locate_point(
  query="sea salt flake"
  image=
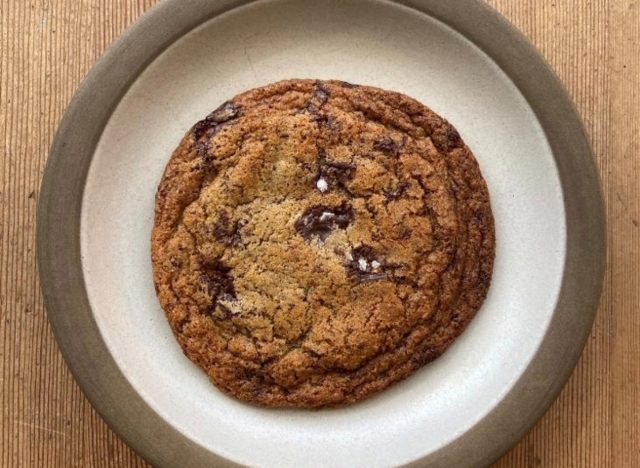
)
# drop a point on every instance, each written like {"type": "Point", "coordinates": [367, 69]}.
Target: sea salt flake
{"type": "Point", "coordinates": [375, 264]}
{"type": "Point", "coordinates": [322, 185]}
{"type": "Point", "coordinates": [362, 264]}
{"type": "Point", "coordinates": [326, 215]}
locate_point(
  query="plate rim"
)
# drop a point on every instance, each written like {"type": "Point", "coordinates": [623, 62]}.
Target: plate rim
{"type": "Point", "coordinates": [60, 263]}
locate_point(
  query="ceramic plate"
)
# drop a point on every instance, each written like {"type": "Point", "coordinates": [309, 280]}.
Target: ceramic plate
{"type": "Point", "coordinates": [182, 60]}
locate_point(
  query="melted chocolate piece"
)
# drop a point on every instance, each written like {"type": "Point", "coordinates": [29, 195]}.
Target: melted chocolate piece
{"type": "Point", "coordinates": [338, 173]}
{"type": "Point", "coordinates": [453, 138]}
{"type": "Point", "coordinates": [206, 156]}
{"type": "Point", "coordinates": [236, 238]}
{"type": "Point", "coordinates": [214, 121]}
{"type": "Point", "coordinates": [321, 93]}
{"type": "Point", "coordinates": [320, 220]}
{"type": "Point", "coordinates": [227, 111]}
{"type": "Point", "coordinates": [365, 265]}
{"type": "Point", "coordinates": [319, 97]}
{"type": "Point", "coordinates": [228, 232]}
{"type": "Point", "coordinates": [217, 281]}
{"type": "Point", "coordinates": [387, 145]}
{"type": "Point", "coordinates": [335, 173]}
{"type": "Point", "coordinates": [327, 121]}
{"type": "Point", "coordinates": [396, 192]}
{"type": "Point", "coordinates": [446, 139]}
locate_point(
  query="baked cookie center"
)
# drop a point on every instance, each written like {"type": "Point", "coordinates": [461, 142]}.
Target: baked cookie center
{"type": "Point", "coordinates": [319, 250]}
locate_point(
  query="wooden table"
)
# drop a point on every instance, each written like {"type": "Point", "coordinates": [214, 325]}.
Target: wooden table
{"type": "Point", "coordinates": [47, 46]}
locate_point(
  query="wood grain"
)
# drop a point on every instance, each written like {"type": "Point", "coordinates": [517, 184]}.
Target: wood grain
{"type": "Point", "coordinates": [47, 46]}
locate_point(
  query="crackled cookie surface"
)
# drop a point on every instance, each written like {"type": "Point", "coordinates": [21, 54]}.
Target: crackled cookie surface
{"type": "Point", "coordinates": [315, 242]}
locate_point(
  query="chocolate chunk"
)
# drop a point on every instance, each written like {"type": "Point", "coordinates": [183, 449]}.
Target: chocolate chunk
{"type": "Point", "coordinates": [327, 121]}
{"type": "Point", "coordinates": [484, 277]}
{"type": "Point", "coordinates": [321, 93]}
{"type": "Point", "coordinates": [319, 98]}
{"type": "Point", "coordinates": [453, 138]}
{"type": "Point", "coordinates": [364, 265]}
{"type": "Point", "coordinates": [395, 193]}
{"type": "Point", "coordinates": [226, 231]}
{"type": "Point", "coordinates": [217, 281]}
{"type": "Point", "coordinates": [364, 251]}
{"type": "Point", "coordinates": [338, 173]}
{"type": "Point", "coordinates": [387, 145]}
{"type": "Point", "coordinates": [221, 228]}
{"type": "Point", "coordinates": [200, 128]}
{"type": "Point", "coordinates": [446, 138]}
{"type": "Point", "coordinates": [320, 220]}
{"type": "Point", "coordinates": [202, 148]}
{"type": "Point", "coordinates": [227, 111]}
{"type": "Point", "coordinates": [206, 157]}
{"type": "Point", "coordinates": [235, 238]}
{"type": "Point", "coordinates": [335, 173]}
{"type": "Point", "coordinates": [404, 233]}
{"type": "Point", "coordinates": [214, 121]}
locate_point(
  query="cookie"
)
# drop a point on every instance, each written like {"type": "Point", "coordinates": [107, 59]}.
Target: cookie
{"type": "Point", "coordinates": [316, 241]}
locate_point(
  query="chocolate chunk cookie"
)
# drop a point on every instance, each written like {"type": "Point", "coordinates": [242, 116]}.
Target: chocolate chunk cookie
{"type": "Point", "coordinates": [317, 241]}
